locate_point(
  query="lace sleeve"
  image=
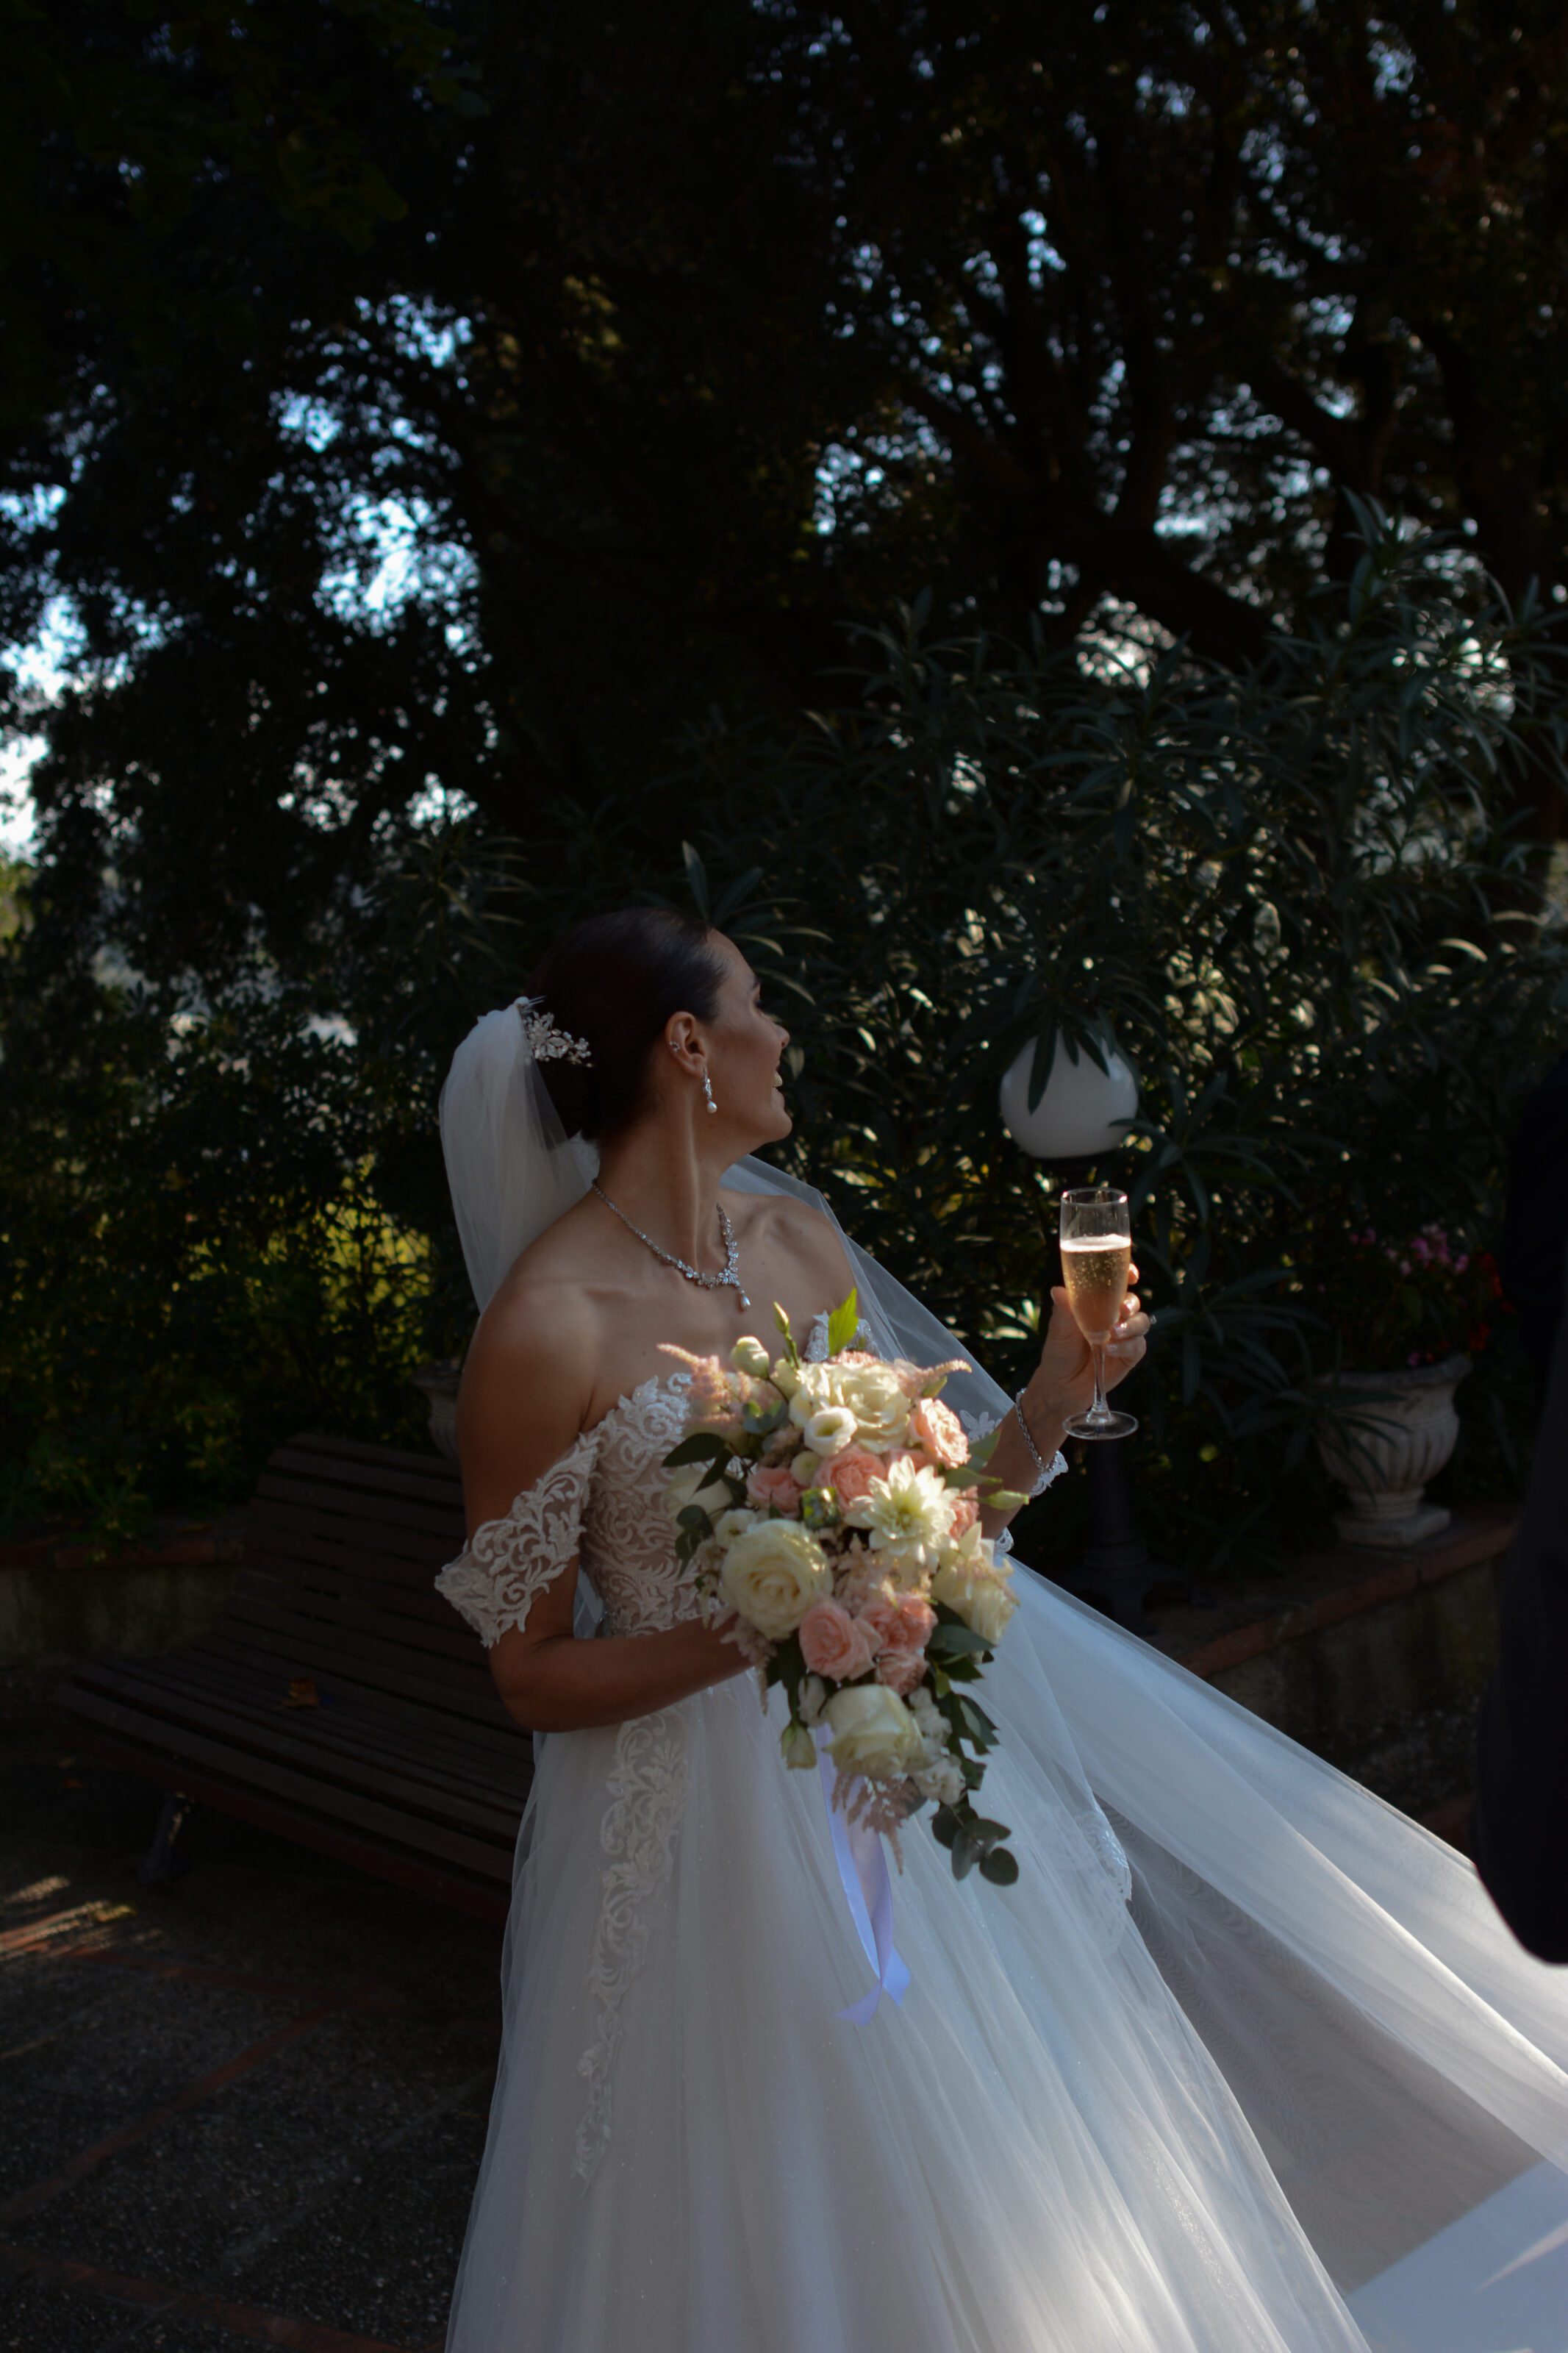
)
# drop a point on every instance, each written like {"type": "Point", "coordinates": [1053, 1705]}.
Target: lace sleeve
{"type": "Point", "coordinates": [493, 1580]}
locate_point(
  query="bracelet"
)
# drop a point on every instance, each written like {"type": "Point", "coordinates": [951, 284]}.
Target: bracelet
{"type": "Point", "coordinates": [1046, 1471]}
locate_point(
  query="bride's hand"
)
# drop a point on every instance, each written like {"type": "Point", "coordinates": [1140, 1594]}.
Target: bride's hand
{"type": "Point", "coordinates": [1063, 1382]}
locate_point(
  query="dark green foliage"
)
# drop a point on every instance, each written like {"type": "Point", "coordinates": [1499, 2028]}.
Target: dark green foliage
{"type": "Point", "coordinates": [1288, 892]}
{"type": "Point", "coordinates": [1286, 889]}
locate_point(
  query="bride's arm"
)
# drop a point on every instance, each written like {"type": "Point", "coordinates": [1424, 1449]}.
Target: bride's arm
{"type": "Point", "coordinates": [527, 1388]}
{"type": "Point", "coordinates": [1062, 1383]}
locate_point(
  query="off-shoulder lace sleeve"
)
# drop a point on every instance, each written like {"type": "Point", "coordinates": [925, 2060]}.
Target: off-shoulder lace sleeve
{"type": "Point", "coordinates": [493, 1580]}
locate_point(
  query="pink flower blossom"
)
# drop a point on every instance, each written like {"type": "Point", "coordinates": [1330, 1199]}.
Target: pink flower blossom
{"type": "Point", "coordinates": [834, 1645]}
{"type": "Point", "coordinates": [965, 1512]}
{"type": "Point", "coordinates": [850, 1474]}
{"type": "Point", "coordinates": [902, 1623]}
{"type": "Point", "coordinates": [900, 1671]}
{"type": "Point", "coordinates": [938, 1429]}
{"type": "Point", "coordinates": [773, 1484]}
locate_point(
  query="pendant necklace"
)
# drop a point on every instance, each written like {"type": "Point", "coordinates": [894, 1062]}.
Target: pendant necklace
{"type": "Point", "coordinates": [728, 1274]}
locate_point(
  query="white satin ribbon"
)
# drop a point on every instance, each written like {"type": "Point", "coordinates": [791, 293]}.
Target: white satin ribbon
{"type": "Point", "coordinates": [862, 1860]}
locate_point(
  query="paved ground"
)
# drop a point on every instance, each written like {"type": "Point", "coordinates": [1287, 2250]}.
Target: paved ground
{"type": "Point", "coordinates": [245, 2108]}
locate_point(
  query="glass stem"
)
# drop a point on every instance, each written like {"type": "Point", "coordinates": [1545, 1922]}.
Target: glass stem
{"type": "Point", "coordinates": [1099, 1410]}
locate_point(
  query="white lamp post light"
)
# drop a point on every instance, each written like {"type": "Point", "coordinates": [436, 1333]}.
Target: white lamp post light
{"type": "Point", "coordinates": [1083, 1111]}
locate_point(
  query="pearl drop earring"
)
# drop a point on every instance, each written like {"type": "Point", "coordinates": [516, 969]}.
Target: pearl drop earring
{"type": "Point", "coordinates": [708, 1091]}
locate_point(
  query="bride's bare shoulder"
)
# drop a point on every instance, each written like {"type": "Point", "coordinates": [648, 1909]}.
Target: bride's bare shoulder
{"type": "Point", "coordinates": [797, 1229]}
{"type": "Point", "coordinates": [528, 1379]}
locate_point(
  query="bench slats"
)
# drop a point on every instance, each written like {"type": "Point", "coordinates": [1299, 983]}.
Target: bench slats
{"type": "Point", "coordinates": [411, 1670]}
{"type": "Point", "coordinates": [384, 1742]}
{"type": "Point", "coordinates": [302, 1791]}
{"type": "Point", "coordinates": [413, 1767]}
{"type": "Point", "coordinates": [337, 1766]}
{"type": "Point", "coordinates": [497, 1738]}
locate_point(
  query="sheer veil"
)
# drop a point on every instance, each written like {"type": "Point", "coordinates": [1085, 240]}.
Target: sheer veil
{"type": "Point", "coordinates": [1397, 2055]}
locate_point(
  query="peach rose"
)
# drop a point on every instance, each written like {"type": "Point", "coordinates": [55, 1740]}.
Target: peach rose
{"type": "Point", "coordinates": [850, 1474]}
{"type": "Point", "coordinates": [938, 1429]}
{"type": "Point", "coordinates": [965, 1512]}
{"type": "Point", "coordinates": [900, 1670]}
{"type": "Point", "coordinates": [774, 1485]}
{"type": "Point", "coordinates": [834, 1645]}
{"type": "Point", "coordinates": [902, 1623]}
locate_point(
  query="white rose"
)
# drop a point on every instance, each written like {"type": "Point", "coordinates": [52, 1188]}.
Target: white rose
{"type": "Point", "coordinates": [733, 1523]}
{"type": "Point", "coordinates": [875, 1395]}
{"type": "Point", "coordinates": [773, 1572]}
{"type": "Point", "coordinates": [831, 1428]}
{"type": "Point", "coordinates": [749, 1355]}
{"type": "Point", "coordinates": [873, 1731]}
{"type": "Point", "coordinates": [798, 1747]}
{"type": "Point", "coordinates": [696, 1482]}
{"type": "Point", "coordinates": [981, 1596]}
{"type": "Point", "coordinates": [785, 1378]}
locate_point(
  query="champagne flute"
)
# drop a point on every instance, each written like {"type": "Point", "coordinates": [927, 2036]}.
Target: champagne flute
{"type": "Point", "coordinates": [1097, 1253]}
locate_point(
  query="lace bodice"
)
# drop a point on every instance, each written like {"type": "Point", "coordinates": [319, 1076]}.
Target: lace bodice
{"type": "Point", "coordinates": [603, 1502]}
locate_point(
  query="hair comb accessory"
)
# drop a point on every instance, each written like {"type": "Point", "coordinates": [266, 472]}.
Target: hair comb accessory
{"type": "Point", "coordinates": [547, 1043]}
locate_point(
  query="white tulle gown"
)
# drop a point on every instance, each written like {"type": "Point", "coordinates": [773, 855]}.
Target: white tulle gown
{"type": "Point", "coordinates": [1242, 2050]}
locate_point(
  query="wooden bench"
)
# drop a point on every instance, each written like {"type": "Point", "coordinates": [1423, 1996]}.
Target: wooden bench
{"type": "Point", "coordinates": [408, 1766]}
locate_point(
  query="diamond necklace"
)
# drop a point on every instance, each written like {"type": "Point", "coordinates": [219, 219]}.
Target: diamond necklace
{"type": "Point", "coordinates": [728, 1273]}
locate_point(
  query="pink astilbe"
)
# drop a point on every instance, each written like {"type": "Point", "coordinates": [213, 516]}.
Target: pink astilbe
{"type": "Point", "coordinates": [915, 1380]}
{"type": "Point", "coordinates": [754, 1648]}
{"type": "Point", "coordinates": [715, 1394]}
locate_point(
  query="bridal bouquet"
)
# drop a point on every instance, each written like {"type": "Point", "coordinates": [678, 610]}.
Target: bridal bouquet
{"type": "Point", "coordinates": [830, 1513]}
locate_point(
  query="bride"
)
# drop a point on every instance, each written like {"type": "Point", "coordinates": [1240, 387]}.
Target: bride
{"type": "Point", "coordinates": [1243, 2058]}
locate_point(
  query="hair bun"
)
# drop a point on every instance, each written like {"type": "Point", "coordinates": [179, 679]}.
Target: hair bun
{"type": "Point", "coordinates": [612, 982]}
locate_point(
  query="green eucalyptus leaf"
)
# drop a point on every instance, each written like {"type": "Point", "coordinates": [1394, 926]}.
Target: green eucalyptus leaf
{"type": "Point", "coordinates": [1000, 1867]}
{"type": "Point", "coordinates": [703, 1446]}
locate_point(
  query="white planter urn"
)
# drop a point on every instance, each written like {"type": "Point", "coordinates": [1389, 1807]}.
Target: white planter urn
{"type": "Point", "coordinates": [439, 1383]}
{"type": "Point", "coordinates": [1404, 1434]}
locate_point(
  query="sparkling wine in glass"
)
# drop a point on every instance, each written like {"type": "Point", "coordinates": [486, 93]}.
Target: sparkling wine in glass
{"type": "Point", "coordinates": [1097, 1253]}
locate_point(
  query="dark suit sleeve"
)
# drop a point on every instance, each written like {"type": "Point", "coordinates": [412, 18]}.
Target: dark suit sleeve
{"type": "Point", "coordinates": [1520, 1835]}
{"type": "Point", "coordinates": [1535, 1228]}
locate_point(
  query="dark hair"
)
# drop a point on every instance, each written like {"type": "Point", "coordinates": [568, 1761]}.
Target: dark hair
{"type": "Point", "coordinates": [615, 980]}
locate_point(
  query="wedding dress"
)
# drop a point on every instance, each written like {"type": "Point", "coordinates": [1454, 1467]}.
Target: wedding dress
{"type": "Point", "coordinates": [1241, 2052]}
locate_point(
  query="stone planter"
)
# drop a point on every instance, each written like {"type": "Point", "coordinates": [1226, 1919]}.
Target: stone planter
{"type": "Point", "coordinates": [439, 1383]}
{"type": "Point", "coordinates": [1404, 1434]}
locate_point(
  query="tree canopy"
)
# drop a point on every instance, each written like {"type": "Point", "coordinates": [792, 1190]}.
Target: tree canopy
{"type": "Point", "coordinates": [405, 397]}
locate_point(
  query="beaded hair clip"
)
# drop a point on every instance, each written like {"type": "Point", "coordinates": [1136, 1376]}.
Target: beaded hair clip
{"type": "Point", "coordinates": [546, 1043]}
